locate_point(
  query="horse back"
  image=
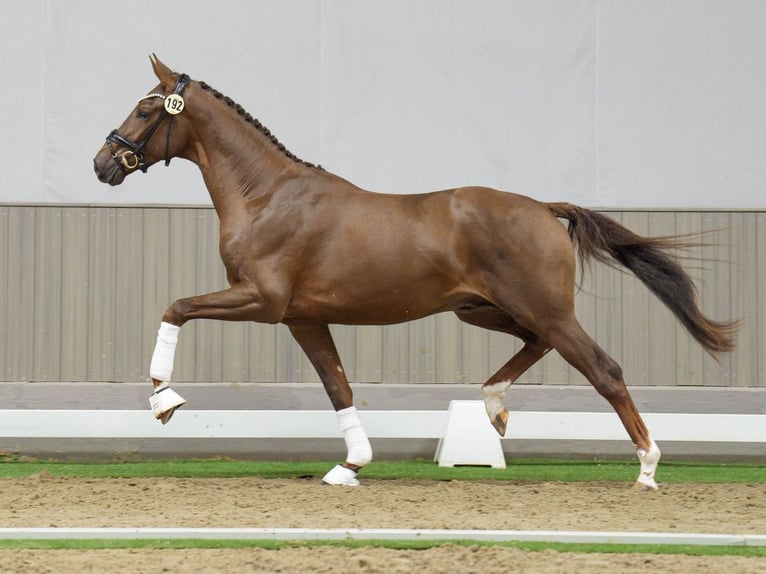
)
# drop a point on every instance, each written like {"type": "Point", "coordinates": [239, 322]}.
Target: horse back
{"type": "Point", "coordinates": [413, 255]}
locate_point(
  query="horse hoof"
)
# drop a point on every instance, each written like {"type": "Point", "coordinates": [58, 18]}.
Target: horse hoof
{"type": "Point", "coordinates": [500, 422]}
{"type": "Point", "coordinates": [167, 415]}
{"type": "Point", "coordinates": [164, 403]}
{"type": "Point", "coordinates": [341, 475]}
{"type": "Point", "coordinates": [649, 485]}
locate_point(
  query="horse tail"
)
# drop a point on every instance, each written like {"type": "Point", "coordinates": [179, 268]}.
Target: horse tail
{"type": "Point", "coordinates": [603, 239]}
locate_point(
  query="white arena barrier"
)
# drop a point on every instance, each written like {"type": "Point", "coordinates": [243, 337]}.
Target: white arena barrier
{"type": "Point", "coordinates": [464, 420]}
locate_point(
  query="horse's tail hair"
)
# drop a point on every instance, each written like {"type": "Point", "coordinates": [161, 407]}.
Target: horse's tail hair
{"type": "Point", "coordinates": [598, 237]}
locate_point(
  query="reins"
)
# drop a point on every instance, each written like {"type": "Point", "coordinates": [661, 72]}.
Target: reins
{"type": "Point", "coordinates": [133, 157]}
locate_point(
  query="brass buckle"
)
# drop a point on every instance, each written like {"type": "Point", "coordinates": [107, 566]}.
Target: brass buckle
{"type": "Point", "coordinates": [124, 160]}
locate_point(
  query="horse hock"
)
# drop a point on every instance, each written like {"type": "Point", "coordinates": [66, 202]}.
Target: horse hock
{"type": "Point", "coordinates": [164, 401]}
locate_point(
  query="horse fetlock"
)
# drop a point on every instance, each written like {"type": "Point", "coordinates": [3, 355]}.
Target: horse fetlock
{"type": "Point", "coordinates": [357, 443]}
{"type": "Point", "coordinates": [360, 454]}
{"type": "Point", "coordinates": [493, 403]}
{"type": "Point", "coordinates": [649, 459]}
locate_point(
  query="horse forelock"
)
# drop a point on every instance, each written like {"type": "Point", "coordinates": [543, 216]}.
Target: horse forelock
{"type": "Point", "coordinates": [256, 124]}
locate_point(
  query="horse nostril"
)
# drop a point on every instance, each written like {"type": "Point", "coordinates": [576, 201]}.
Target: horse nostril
{"type": "Point", "coordinates": [101, 176]}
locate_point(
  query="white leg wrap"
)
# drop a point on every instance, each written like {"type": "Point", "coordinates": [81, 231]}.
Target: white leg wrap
{"type": "Point", "coordinates": [493, 398]}
{"type": "Point", "coordinates": [357, 443]}
{"type": "Point", "coordinates": [161, 367]}
{"type": "Point", "coordinates": [649, 459]}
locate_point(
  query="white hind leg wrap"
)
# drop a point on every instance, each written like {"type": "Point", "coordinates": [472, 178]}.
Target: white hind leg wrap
{"type": "Point", "coordinates": [357, 443]}
{"type": "Point", "coordinates": [161, 367]}
{"type": "Point", "coordinates": [649, 459]}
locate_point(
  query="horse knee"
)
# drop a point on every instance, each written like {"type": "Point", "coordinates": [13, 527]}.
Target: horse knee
{"type": "Point", "coordinates": [176, 313]}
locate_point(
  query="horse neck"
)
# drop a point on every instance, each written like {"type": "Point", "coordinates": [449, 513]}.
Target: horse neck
{"type": "Point", "coordinates": [238, 162]}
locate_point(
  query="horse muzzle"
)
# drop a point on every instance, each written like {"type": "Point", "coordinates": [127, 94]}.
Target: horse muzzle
{"type": "Point", "coordinates": [107, 170]}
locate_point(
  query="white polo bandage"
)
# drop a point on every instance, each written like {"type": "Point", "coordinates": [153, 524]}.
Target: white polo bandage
{"type": "Point", "coordinates": [161, 367]}
{"type": "Point", "coordinates": [357, 443]}
{"type": "Point", "coordinates": [649, 459]}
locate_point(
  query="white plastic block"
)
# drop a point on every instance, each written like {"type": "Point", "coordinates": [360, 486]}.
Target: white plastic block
{"type": "Point", "coordinates": [469, 438]}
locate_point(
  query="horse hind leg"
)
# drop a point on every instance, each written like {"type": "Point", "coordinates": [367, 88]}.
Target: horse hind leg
{"type": "Point", "coordinates": [498, 384]}
{"type": "Point", "coordinates": [493, 391]}
{"type": "Point", "coordinates": [603, 372]}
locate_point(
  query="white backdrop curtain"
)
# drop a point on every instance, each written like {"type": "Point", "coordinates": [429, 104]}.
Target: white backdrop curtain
{"type": "Point", "coordinates": [645, 104]}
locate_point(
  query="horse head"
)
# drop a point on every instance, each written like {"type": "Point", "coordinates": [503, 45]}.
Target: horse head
{"type": "Point", "coordinates": [157, 128]}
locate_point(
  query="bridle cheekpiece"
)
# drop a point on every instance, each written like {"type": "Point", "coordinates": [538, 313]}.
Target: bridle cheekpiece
{"type": "Point", "coordinates": [133, 157]}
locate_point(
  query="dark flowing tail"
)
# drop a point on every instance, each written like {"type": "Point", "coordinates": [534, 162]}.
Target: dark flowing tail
{"type": "Point", "coordinates": [603, 239]}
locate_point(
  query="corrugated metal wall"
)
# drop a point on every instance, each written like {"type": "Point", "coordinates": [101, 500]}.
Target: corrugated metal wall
{"type": "Point", "coordinates": [82, 290]}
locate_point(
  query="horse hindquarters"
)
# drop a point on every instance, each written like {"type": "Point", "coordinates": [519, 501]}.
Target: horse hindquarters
{"type": "Point", "coordinates": [535, 288]}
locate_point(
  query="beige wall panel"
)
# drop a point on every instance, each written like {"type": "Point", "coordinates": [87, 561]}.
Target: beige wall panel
{"type": "Point", "coordinates": [84, 289]}
{"type": "Point", "coordinates": [75, 295]}
{"type": "Point", "coordinates": [5, 278]}
{"type": "Point", "coordinates": [20, 290]}
{"type": "Point", "coordinates": [758, 330]}
{"type": "Point", "coordinates": [744, 297]}
{"type": "Point", "coordinates": [101, 321]}
{"type": "Point", "coordinates": [46, 323]}
{"type": "Point", "coordinates": [368, 353]}
{"type": "Point", "coordinates": [127, 297]}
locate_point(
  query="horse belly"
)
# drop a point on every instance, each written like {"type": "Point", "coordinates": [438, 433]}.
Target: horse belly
{"type": "Point", "coordinates": [374, 302]}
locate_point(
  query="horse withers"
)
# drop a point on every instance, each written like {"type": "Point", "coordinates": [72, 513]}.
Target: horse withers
{"type": "Point", "coordinates": [306, 248]}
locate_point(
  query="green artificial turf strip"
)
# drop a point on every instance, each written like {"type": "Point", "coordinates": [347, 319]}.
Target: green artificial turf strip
{"type": "Point", "coordinates": [517, 470]}
{"type": "Point", "coordinates": [101, 544]}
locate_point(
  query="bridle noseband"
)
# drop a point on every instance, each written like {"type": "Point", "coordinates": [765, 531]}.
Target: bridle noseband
{"type": "Point", "coordinates": [133, 157]}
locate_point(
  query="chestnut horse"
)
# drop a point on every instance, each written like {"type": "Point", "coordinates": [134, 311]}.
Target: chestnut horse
{"type": "Point", "coordinates": [306, 248]}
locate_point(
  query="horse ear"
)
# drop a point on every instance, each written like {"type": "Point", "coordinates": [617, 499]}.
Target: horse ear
{"type": "Point", "coordinates": [161, 71]}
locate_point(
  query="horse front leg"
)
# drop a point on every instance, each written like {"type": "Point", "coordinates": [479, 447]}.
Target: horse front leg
{"type": "Point", "coordinates": [164, 401]}
{"type": "Point", "coordinates": [241, 302]}
{"type": "Point", "coordinates": [316, 341]}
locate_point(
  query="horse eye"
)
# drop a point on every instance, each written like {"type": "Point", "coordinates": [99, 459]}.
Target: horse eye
{"type": "Point", "coordinates": [142, 114]}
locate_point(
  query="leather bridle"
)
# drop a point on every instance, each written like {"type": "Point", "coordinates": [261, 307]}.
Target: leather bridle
{"type": "Point", "coordinates": [133, 157]}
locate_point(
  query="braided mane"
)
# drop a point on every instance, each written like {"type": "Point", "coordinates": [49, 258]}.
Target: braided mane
{"type": "Point", "coordinates": [257, 124]}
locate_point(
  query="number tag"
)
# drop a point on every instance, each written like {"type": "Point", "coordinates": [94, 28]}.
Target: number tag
{"type": "Point", "coordinates": [174, 104]}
